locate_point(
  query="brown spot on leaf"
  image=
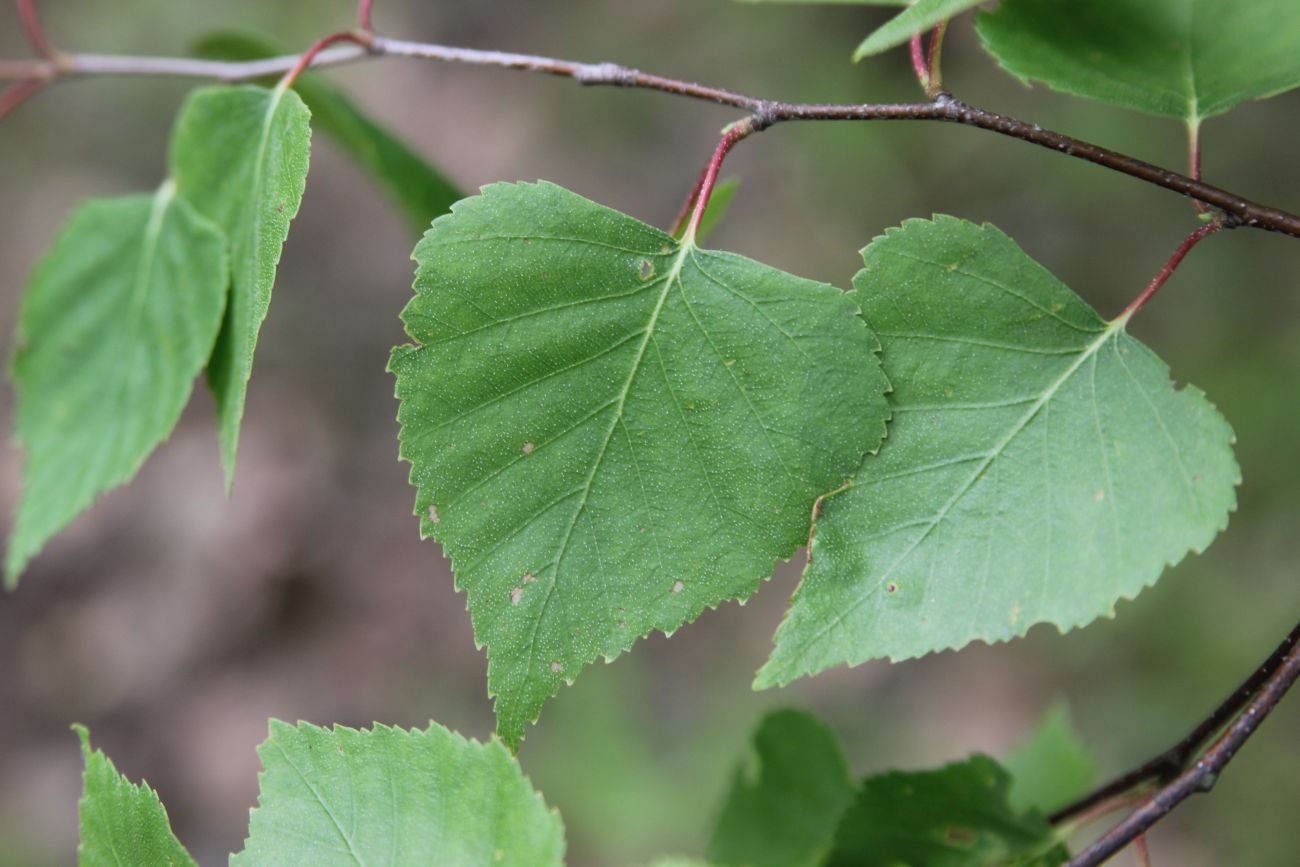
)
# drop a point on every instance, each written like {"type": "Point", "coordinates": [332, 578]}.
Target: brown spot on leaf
{"type": "Point", "coordinates": [891, 587]}
{"type": "Point", "coordinates": [1100, 495]}
{"type": "Point", "coordinates": [960, 836]}
{"type": "Point", "coordinates": [529, 577]}
{"type": "Point", "coordinates": [528, 448]}
{"type": "Point", "coordinates": [515, 595]}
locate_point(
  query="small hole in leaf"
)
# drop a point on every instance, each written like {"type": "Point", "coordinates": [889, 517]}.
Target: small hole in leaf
{"type": "Point", "coordinates": [515, 595]}
{"type": "Point", "coordinates": [433, 513]}
{"type": "Point", "coordinates": [528, 448]}
{"type": "Point", "coordinates": [646, 270]}
{"type": "Point", "coordinates": [557, 667]}
{"type": "Point", "coordinates": [529, 577]}
{"type": "Point", "coordinates": [678, 586]}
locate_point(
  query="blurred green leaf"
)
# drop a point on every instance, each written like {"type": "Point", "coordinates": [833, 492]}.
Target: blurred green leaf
{"type": "Point", "coordinates": [419, 190]}
{"type": "Point", "coordinates": [1052, 767]}
{"type": "Point", "coordinates": [1040, 465]}
{"type": "Point", "coordinates": [611, 430]}
{"type": "Point", "coordinates": [957, 816]}
{"type": "Point", "coordinates": [919, 17]}
{"type": "Point", "coordinates": [1190, 59]}
{"type": "Point", "coordinates": [117, 322]}
{"type": "Point", "coordinates": [240, 156]}
{"type": "Point", "coordinates": [786, 801]}
{"type": "Point", "coordinates": [343, 796]}
{"type": "Point", "coordinates": [122, 823]}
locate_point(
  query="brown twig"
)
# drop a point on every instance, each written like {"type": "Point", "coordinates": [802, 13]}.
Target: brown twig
{"type": "Point", "coordinates": [1173, 760]}
{"type": "Point", "coordinates": [1204, 772]}
{"type": "Point", "coordinates": [312, 53]}
{"type": "Point", "coordinates": [1237, 210]}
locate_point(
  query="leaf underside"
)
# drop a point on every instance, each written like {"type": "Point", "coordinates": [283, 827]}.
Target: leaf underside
{"type": "Point", "coordinates": [240, 155]}
{"type": "Point", "coordinates": [611, 430]}
{"type": "Point", "coordinates": [117, 322]}
{"type": "Point", "coordinates": [1190, 59]}
{"type": "Point", "coordinates": [1040, 465]}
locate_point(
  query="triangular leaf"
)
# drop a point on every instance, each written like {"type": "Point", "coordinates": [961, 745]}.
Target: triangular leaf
{"type": "Point", "coordinates": [611, 430]}
{"type": "Point", "coordinates": [919, 17]}
{"type": "Point", "coordinates": [1190, 59]}
{"type": "Point", "coordinates": [417, 188]}
{"type": "Point", "coordinates": [957, 816]}
{"type": "Point", "coordinates": [122, 823]}
{"type": "Point", "coordinates": [1040, 465]}
{"type": "Point", "coordinates": [240, 156]}
{"type": "Point", "coordinates": [391, 796]}
{"type": "Point", "coordinates": [119, 318]}
{"type": "Point", "coordinates": [785, 803]}
{"type": "Point", "coordinates": [1052, 767]}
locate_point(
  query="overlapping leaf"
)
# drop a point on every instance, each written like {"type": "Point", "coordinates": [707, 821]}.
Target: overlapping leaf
{"type": "Point", "coordinates": [122, 823]}
{"type": "Point", "coordinates": [419, 190]}
{"type": "Point", "coordinates": [956, 816]}
{"type": "Point", "coordinates": [785, 804]}
{"type": "Point", "coordinates": [119, 318]}
{"type": "Point", "coordinates": [611, 430]}
{"type": "Point", "coordinates": [1040, 465]}
{"type": "Point", "coordinates": [1190, 59]}
{"type": "Point", "coordinates": [240, 156]}
{"type": "Point", "coordinates": [391, 796]}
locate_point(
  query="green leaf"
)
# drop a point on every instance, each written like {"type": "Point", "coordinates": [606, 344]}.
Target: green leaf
{"type": "Point", "coordinates": [387, 796]}
{"type": "Point", "coordinates": [1190, 59]}
{"type": "Point", "coordinates": [957, 816]}
{"type": "Point", "coordinates": [118, 320]}
{"type": "Point", "coordinates": [240, 156]}
{"type": "Point", "coordinates": [786, 801]}
{"type": "Point", "coordinates": [1040, 465]}
{"type": "Point", "coordinates": [419, 190]}
{"type": "Point", "coordinates": [122, 823]}
{"type": "Point", "coordinates": [916, 18]}
{"type": "Point", "coordinates": [611, 430]}
{"type": "Point", "coordinates": [716, 210]}
{"type": "Point", "coordinates": [831, 2]}
{"type": "Point", "coordinates": [1052, 767]}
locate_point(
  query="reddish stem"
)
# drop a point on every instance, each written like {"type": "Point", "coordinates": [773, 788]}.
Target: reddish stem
{"type": "Point", "coordinates": [919, 64]}
{"type": "Point", "coordinates": [730, 136]}
{"type": "Point", "coordinates": [688, 206]}
{"type": "Point", "coordinates": [35, 32]}
{"type": "Point", "coordinates": [1172, 265]}
{"type": "Point", "coordinates": [363, 15]}
{"type": "Point", "coordinates": [1144, 857]}
{"type": "Point", "coordinates": [310, 54]}
{"type": "Point", "coordinates": [932, 58]}
{"type": "Point", "coordinates": [1194, 161]}
{"type": "Point", "coordinates": [17, 93]}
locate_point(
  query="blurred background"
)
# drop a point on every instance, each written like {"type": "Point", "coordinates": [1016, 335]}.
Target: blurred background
{"type": "Point", "coordinates": [174, 621]}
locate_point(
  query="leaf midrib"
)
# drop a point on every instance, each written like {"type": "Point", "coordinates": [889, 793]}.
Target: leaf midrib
{"type": "Point", "coordinates": [1088, 352]}
{"type": "Point", "coordinates": [673, 275]}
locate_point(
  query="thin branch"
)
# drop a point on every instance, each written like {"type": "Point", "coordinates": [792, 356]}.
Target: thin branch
{"type": "Point", "coordinates": [920, 68]}
{"type": "Point", "coordinates": [312, 53]}
{"type": "Point", "coordinates": [1171, 265]}
{"type": "Point", "coordinates": [1172, 761]}
{"type": "Point", "coordinates": [1238, 211]}
{"type": "Point", "coordinates": [1202, 775]}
